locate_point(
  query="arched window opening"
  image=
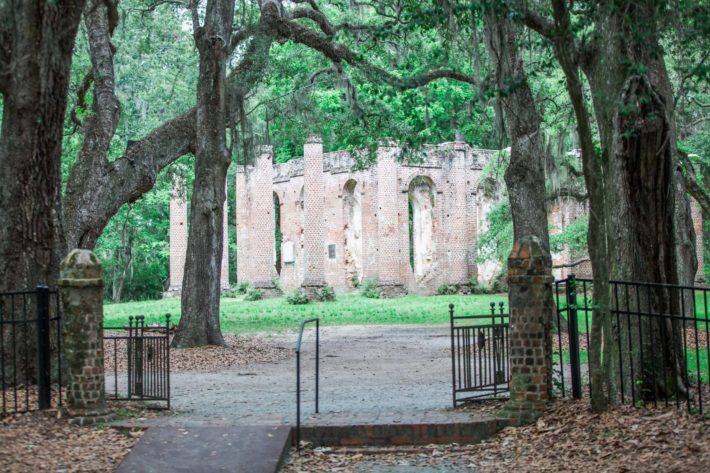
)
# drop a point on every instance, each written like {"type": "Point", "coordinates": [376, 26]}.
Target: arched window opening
{"type": "Point", "coordinates": [352, 218]}
{"type": "Point", "coordinates": [421, 226]}
{"type": "Point", "coordinates": [278, 235]}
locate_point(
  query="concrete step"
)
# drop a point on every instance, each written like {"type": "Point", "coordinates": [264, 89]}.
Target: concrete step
{"type": "Point", "coordinates": [207, 449]}
{"type": "Point", "coordinates": [431, 428]}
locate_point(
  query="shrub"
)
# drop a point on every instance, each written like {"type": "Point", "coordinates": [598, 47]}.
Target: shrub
{"type": "Point", "coordinates": [276, 282]}
{"type": "Point", "coordinates": [476, 288]}
{"type": "Point", "coordinates": [370, 288]}
{"type": "Point", "coordinates": [231, 292]}
{"type": "Point", "coordinates": [253, 294]}
{"type": "Point", "coordinates": [356, 281]}
{"type": "Point", "coordinates": [297, 297]}
{"type": "Point", "coordinates": [243, 287]}
{"type": "Point", "coordinates": [326, 294]}
{"type": "Point", "coordinates": [447, 289]}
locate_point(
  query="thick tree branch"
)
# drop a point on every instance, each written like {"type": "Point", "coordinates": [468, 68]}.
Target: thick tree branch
{"type": "Point", "coordinates": [317, 17]}
{"type": "Point", "coordinates": [338, 52]}
{"type": "Point", "coordinates": [536, 22]}
{"type": "Point", "coordinates": [91, 201]}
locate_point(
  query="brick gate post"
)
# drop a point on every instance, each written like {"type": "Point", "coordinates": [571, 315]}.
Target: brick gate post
{"type": "Point", "coordinates": [531, 310]}
{"type": "Point", "coordinates": [81, 288]}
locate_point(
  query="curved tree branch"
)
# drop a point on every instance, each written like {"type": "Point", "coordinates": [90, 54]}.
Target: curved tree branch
{"type": "Point", "coordinates": [338, 53]}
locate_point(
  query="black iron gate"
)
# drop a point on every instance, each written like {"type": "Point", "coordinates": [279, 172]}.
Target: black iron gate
{"type": "Point", "coordinates": [479, 355]}
{"type": "Point", "coordinates": [138, 367]}
{"type": "Point", "coordinates": [30, 350]}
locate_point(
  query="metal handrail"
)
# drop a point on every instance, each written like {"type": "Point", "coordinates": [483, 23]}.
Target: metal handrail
{"type": "Point", "coordinates": [298, 374]}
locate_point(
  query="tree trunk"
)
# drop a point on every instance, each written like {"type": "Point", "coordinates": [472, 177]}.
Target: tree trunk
{"type": "Point", "coordinates": [525, 175]}
{"type": "Point", "coordinates": [647, 209]}
{"type": "Point", "coordinates": [97, 188]}
{"type": "Point", "coordinates": [36, 43]}
{"type": "Point", "coordinates": [199, 322]}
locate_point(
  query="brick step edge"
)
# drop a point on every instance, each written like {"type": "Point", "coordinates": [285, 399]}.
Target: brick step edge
{"type": "Point", "coordinates": [401, 434]}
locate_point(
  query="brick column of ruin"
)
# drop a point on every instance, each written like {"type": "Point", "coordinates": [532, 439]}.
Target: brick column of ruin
{"type": "Point", "coordinates": [313, 226]}
{"type": "Point", "coordinates": [178, 234]}
{"type": "Point", "coordinates": [531, 312]}
{"type": "Point", "coordinates": [697, 215]}
{"type": "Point", "coordinates": [389, 252]}
{"type": "Point", "coordinates": [261, 228]}
{"type": "Point", "coordinates": [224, 274]}
{"type": "Point", "coordinates": [459, 242]}
{"type": "Point", "coordinates": [243, 207]}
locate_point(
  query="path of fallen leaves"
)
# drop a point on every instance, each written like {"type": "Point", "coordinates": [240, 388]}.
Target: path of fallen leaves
{"type": "Point", "coordinates": [239, 351]}
{"type": "Point", "coordinates": [43, 441]}
{"type": "Point", "coordinates": [569, 438]}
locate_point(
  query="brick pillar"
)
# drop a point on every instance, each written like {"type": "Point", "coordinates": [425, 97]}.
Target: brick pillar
{"type": "Point", "coordinates": [313, 226]}
{"type": "Point", "coordinates": [697, 215]}
{"type": "Point", "coordinates": [178, 235]}
{"type": "Point", "coordinates": [531, 310]}
{"type": "Point", "coordinates": [81, 290]}
{"type": "Point", "coordinates": [243, 208]}
{"type": "Point", "coordinates": [388, 248]}
{"type": "Point", "coordinates": [261, 230]}
{"type": "Point", "coordinates": [457, 221]}
{"type": "Point", "coordinates": [224, 274]}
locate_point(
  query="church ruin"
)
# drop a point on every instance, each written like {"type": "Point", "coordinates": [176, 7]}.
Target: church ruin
{"type": "Point", "coordinates": [322, 220]}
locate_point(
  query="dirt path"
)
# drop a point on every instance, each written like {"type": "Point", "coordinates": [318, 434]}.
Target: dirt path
{"type": "Point", "coordinates": [371, 368]}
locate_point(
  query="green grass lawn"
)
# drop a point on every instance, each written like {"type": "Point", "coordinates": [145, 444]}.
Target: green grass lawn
{"type": "Point", "coordinates": [239, 316]}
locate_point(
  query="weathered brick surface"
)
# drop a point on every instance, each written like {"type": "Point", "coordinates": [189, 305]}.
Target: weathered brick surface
{"type": "Point", "coordinates": [81, 289]}
{"type": "Point", "coordinates": [697, 215]}
{"type": "Point", "coordinates": [531, 310]}
{"type": "Point", "coordinates": [178, 239]}
{"type": "Point", "coordinates": [383, 195]}
{"type": "Point", "coordinates": [178, 234]}
{"type": "Point", "coordinates": [460, 210]}
{"type": "Point", "coordinates": [314, 245]}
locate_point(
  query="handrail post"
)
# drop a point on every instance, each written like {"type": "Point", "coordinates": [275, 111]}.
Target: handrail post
{"type": "Point", "coordinates": [298, 375]}
{"type": "Point", "coordinates": [298, 399]}
{"type": "Point", "coordinates": [317, 358]}
{"type": "Point", "coordinates": [453, 355]}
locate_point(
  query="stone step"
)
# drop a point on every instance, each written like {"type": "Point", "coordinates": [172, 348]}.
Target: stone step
{"type": "Point", "coordinates": [401, 431]}
{"type": "Point", "coordinates": [207, 449]}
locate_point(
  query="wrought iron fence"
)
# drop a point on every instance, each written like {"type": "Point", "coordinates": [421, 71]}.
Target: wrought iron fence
{"type": "Point", "coordinates": [138, 361]}
{"type": "Point", "coordinates": [660, 336]}
{"type": "Point", "coordinates": [480, 367]}
{"type": "Point", "coordinates": [30, 350]}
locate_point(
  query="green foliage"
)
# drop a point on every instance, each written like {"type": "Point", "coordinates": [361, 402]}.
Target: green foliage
{"type": "Point", "coordinates": [496, 242]}
{"type": "Point", "coordinates": [574, 236]}
{"type": "Point", "coordinates": [326, 294]}
{"type": "Point", "coordinates": [297, 297]}
{"type": "Point", "coordinates": [355, 281]}
{"type": "Point", "coordinates": [243, 287]}
{"type": "Point", "coordinates": [370, 288]}
{"type": "Point", "coordinates": [447, 289]}
{"type": "Point", "coordinates": [253, 294]}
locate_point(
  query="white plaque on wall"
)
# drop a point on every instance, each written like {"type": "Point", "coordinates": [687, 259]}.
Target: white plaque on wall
{"type": "Point", "coordinates": [287, 252]}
